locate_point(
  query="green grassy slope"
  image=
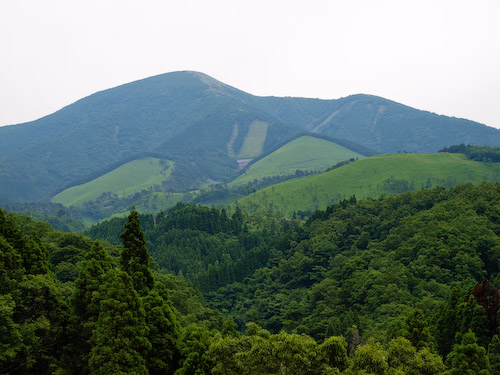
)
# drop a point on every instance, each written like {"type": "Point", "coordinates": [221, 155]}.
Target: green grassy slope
{"type": "Point", "coordinates": [127, 179]}
{"type": "Point", "coordinates": [304, 153]}
{"type": "Point", "coordinates": [254, 140]}
{"type": "Point", "coordinates": [369, 177]}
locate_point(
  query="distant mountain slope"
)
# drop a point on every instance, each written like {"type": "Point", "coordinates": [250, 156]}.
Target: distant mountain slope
{"type": "Point", "coordinates": [380, 124]}
{"type": "Point", "coordinates": [369, 177]}
{"type": "Point", "coordinates": [205, 127]}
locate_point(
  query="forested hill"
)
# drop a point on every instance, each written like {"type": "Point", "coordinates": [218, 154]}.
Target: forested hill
{"type": "Point", "coordinates": [204, 126]}
{"type": "Point", "coordinates": [406, 284]}
{"type": "Point", "coordinates": [363, 264]}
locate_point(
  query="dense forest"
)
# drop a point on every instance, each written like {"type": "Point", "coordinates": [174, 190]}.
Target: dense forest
{"type": "Point", "coordinates": [405, 284]}
{"type": "Point", "coordinates": [475, 152]}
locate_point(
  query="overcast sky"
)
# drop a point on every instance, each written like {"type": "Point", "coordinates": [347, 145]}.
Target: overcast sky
{"type": "Point", "coordinates": [438, 55]}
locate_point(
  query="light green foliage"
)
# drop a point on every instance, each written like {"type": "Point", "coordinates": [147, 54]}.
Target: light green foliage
{"type": "Point", "coordinates": [297, 354]}
{"type": "Point", "coordinates": [427, 363]}
{"type": "Point", "coordinates": [468, 358]}
{"type": "Point", "coordinates": [369, 177]}
{"type": "Point", "coordinates": [125, 180]}
{"type": "Point", "coordinates": [223, 351]}
{"type": "Point", "coordinates": [401, 354]}
{"type": "Point", "coordinates": [403, 357]}
{"type": "Point", "coordinates": [371, 358]}
{"type": "Point", "coordinates": [260, 352]}
{"type": "Point", "coordinates": [334, 352]}
{"type": "Point", "coordinates": [304, 154]}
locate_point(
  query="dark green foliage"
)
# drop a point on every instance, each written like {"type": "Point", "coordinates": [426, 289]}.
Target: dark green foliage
{"type": "Point", "coordinates": [474, 152]}
{"type": "Point", "coordinates": [370, 263]}
{"type": "Point", "coordinates": [120, 335]}
{"type": "Point", "coordinates": [33, 255]}
{"type": "Point", "coordinates": [206, 245]}
{"type": "Point", "coordinates": [55, 214]}
{"type": "Point", "coordinates": [194, 343]}
{"type": "Point", "coordinates": [417, 264]}
{"type": "Point", "coordinates": [134, 258]}
{"type": "Point", "coordinates": [494, 355]}
{"type": "Point", "coordinates": [468, 358]}
{"type": "Point", "coordinates": [31, 308]}
{"type": "Point", "coordinates": [86, 304]}
{"type": "Point", "coordinates": [417, 330]}
{"type": "Point", "coordinates": [164, 331]}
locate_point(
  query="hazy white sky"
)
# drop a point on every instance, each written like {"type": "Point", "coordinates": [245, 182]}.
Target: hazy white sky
{"type": "Point", "coordinates": [438, 55]}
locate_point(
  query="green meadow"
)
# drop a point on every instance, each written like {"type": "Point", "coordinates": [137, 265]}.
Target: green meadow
{"type": "Point", "coordinates": [304, 153]}
{"type": "Point", "coordinates": [369, 177]}
{"type": "Point", "coordinates": [127, 179]}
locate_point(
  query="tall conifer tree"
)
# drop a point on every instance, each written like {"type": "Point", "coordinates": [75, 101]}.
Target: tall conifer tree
{"type": "Point", "coordinates": [119, 339]}
{"type": "Point", "coordinates": [135, 256]}
{"type": "Point", "coordinates": [86, 304]}
{"type": "Point", "coordinates": [164, 331]}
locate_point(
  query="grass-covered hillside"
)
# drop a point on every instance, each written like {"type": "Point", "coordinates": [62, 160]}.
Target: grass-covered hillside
{"type": "Point", "coordinates": [369, 177]}
{"type": "Point", "coordinates": [127, 179]}
{"type": "Point", "coordinates": [304, 154]}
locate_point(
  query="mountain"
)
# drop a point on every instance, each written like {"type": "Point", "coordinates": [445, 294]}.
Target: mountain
{"type": "Point", "coordinates": [187, 117]}
{"type": "Point", "coordinates": [203, 127]}
{"type": "Point", "coordinates": [370, 177]}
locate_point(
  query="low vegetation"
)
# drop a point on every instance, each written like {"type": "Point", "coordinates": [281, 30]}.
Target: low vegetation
{"type": "Point", "coordinates": [128, 179]}
{"type": "Point", "coordinates": [303, 154]}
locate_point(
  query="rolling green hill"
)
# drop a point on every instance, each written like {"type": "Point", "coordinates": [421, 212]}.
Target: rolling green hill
{"type": "Point", "coordinates": [304, 153]}
{"type": "Point", "coordinates": [125, 180]}
{"type": "Point", "coordinates": [369, 177]}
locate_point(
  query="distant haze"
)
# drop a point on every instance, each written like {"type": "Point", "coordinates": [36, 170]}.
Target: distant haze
{"type": "Point", "coordinates": [441, 56]}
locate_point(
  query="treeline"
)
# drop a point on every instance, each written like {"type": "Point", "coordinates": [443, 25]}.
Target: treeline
{"type": "Point", "coordinates": [221, 193]}
{"type": "Point", "coordinates": [474, 152]}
